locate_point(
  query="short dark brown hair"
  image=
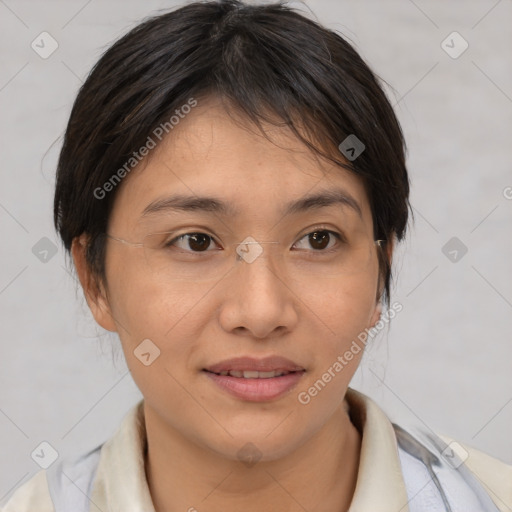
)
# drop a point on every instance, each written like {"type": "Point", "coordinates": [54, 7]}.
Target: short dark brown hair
{"type": "Point", "coordinates": [262, 59]}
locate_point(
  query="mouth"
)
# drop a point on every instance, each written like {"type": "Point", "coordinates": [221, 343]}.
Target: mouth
{"type": "Point", "coordinates": [252, 374]}
{"type": "Point", "coordinates": [253, 368]}
{"type": "Point", "coordinates": [255, 380]}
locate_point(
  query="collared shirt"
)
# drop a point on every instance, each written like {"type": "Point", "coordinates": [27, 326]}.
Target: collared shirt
{"type": "Point", "coordinates": [112, 478]}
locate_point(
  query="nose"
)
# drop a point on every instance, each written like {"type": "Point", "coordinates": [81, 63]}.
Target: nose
{"type": "Point", "coordinates": [258, 303]}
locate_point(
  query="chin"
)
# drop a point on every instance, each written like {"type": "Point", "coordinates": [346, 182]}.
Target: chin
{"type": "Point", "coordinates": [253, 439]}
{"type": "Point", "coordinates": [250, 451]}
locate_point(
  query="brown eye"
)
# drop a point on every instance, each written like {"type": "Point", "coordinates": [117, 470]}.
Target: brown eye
{"type": "Point", "coordinates": [318, 240]}
{"type": "Point", "coordinates": [199, 241]}
{"type": "Point", "coordinates": [193, 242]}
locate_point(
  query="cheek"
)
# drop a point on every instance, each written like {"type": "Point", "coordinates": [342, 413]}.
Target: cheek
{"type": "Point", "coordinates": [339, 319]}
{"type": "Point", "coordinates": [160, 335]}
{"type": "Point", "coordinates": [147, 308]}
{"type": "Point", "coordinates": [345, 308]}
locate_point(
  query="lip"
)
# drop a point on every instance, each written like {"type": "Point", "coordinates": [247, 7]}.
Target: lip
{"type": "Point", "coordinates": [256, 390]}
{"type": "Point", "coordinates": [266, 364]}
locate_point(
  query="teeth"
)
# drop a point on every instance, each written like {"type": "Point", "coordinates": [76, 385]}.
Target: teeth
{"type": "Point", "coordinates": [268, 375]}
{"type": "Point", "coordinates": [250, 374]}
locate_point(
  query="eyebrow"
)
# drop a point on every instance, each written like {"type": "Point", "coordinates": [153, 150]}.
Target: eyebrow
{"type": "Point", "coordinates": [185, 203]}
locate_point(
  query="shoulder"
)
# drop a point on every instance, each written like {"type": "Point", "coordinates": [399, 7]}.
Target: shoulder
{"type": "Point", "coordinates": [32, 495]}
{"type": "Point", "coordinates": [494, 474]}
{"type": "Point", "coordinates": [66, 485]}
{"type": "Point", "coordinates": [69, 483]}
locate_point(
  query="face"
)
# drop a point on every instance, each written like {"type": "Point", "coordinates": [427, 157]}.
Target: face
{"type": "Point", "coordinates": [291, 307]}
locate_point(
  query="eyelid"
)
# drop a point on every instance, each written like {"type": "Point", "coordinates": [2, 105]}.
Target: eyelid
{"type": "Point", "coordinates": [171, 243]}
{"type": "Point", "coordinates": [339, 238]}
{"type": "Point", "coordinates": [322, 227]}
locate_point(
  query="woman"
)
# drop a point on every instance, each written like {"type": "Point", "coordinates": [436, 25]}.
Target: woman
{"type": "Point", "coordinates": [231, 188]}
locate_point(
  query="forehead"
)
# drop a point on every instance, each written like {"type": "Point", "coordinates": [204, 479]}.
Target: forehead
{"type": "Point", "coordinates": [210, 154]}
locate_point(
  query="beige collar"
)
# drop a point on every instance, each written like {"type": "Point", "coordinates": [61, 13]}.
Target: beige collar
{"type": "Point", "coordinates": [380, 484]}
{"type": "Point", "coordinates": [120, 482]}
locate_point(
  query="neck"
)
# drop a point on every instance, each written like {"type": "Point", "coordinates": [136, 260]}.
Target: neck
{"type": "Point", "coordinates": [320, 475]}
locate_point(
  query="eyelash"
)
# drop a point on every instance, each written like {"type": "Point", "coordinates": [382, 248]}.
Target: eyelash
{"type": "Point", "coordinates": [339, 237]}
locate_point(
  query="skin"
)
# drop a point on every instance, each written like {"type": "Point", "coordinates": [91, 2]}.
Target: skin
{"type": "Point", "coordinates": [309, 453]}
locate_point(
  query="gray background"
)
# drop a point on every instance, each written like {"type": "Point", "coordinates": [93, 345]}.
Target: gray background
{"type": "Point", "coordinates": [446, 359]}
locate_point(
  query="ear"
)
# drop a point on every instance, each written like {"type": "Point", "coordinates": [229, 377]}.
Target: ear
{"type": "Point", "coordinates": [94, 291]}
{"type": "Point", "coordinates": [388, 250]}
{"type": "Point", "coordinates": [376, 314]}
